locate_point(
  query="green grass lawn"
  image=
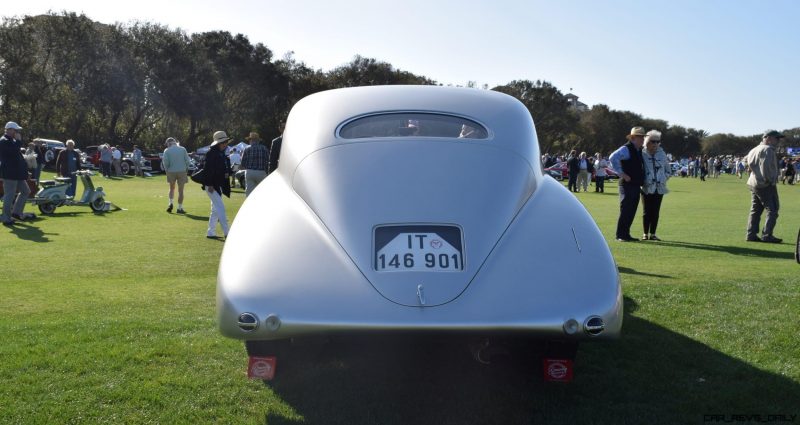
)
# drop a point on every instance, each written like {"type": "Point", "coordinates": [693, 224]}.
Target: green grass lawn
{"type": "Point", "coordinates": [110, 318]}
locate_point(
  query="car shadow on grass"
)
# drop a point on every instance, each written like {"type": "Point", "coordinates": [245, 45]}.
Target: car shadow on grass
{"type": "Point", "coordinates": [651, 375]}
{"type": "Point", "coordinates": [628, 270]}
{"type": "Point", "coordinates": [751, 250]}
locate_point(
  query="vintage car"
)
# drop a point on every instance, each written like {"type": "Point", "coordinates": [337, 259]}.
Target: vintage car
{"type": "Point", "coordinates": [413, 209]}
{"type": "Point", "coordinates": [91, 160]}
{"type": "Point", "coordinates": [52, 148]}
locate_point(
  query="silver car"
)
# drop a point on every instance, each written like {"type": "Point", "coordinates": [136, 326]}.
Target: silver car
{"type": "Point", "coordinates": [414, 209]}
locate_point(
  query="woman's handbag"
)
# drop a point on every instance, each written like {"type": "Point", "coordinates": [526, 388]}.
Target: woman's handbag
{"type": "Point", "coordinates": [199, 176]}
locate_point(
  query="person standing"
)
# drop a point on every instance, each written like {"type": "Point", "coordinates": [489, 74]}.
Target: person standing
{"type": "Point", "coordinates": [254, 162]}
{"type": "Point", "coordinates": [585, 170]}
{"type": "Point", "coordinates": [176, 164]}
{"type": "Point", "coordinates": [627, 162]}
{"type": "Point", "coordinates": [235, 159]}
{"type": "Point", "coordinates": [703, 168]}
{"type": "Point", "coordinates": [41, 152]}
{"type": "Point", "coordinates": [67, 163]}
{"type": "Point", "coordinates": [573, 168]}
{"type": "Point", "coordinates": [763, 180]}
{"type": "Point", "coordinates": [136, 157]}
{"type": "Point", "coordinates": [116, 160]}
{"type": "Point", "coordinates": [215, 183]}
{"type": "Point", "coordinates": [740, 167]}
{"type": "Point", "coordinates": [105, 160]}
{"type": "Point", "coordinates": [600, 165]}
{"type": "Point", "coordinates": [14, 172]}
{"type": "Point", "coordinates": [30, 159]}
{"type": "Point", "coordinates": [654, 188]}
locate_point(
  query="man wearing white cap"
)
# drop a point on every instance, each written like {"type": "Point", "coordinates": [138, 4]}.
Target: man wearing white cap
{"type": "Point", "coordinates": [14, 172]}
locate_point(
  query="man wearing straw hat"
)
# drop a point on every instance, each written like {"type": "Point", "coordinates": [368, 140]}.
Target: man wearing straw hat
{"type": "Point", "coordinates": [254, 162]}
{"type": "Point", "coordinates": [627, 162]}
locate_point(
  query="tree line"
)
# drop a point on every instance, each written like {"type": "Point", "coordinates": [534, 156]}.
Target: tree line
{"type": "Point", "coordinates": [63, 76]}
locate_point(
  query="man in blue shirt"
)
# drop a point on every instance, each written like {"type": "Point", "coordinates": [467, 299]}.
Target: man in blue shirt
{"type": "Point", "coordinates": [627, 162]}
{"type": "Point", "coordinates": [254, 163]}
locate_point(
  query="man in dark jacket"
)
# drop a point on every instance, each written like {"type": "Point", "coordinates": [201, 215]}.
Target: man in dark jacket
{"type": "Point", "coordinates": [216, 183]}
{"type": "Point", "coordinates": [627, 162]}
{"type": "Point", "coordinates": [573, 168]}
{"type": "Point", "coordinates": [67, 164]}
{"type": "Point", "coordinates": [14, 172]}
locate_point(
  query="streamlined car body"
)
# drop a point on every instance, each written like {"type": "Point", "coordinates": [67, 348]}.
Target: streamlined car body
{"type": "Point", "coordinates": [414, 209]}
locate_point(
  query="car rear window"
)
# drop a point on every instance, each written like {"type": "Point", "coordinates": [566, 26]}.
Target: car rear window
{"type": "Point", "coordinates": [413, 125]}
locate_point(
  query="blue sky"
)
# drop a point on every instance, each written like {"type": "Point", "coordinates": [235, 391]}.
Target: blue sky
{"type": "Point", "coordinates": [726, 66]}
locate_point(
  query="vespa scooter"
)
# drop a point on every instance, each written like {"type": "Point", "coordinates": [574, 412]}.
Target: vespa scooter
{"type": "Point", "coordinates": [54, 194]}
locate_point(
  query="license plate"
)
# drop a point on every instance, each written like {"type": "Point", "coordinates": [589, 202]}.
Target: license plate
{"type": "Point", "coordinates": [418, 248]}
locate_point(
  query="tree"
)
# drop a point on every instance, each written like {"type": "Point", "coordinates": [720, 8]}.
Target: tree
{"type": "Point", "coordinates": [363, 71]}
{"type": "Point", "coordinates": [548, 107]}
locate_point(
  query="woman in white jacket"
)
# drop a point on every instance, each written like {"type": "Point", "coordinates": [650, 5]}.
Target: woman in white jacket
{"type": "Point", "coordinates": [656, 166]}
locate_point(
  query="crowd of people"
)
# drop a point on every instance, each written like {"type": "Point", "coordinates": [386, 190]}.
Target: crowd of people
{"type": "Point", "coordinates": [218, 174]}
{"type": "Point", "coordinates": [20, 164]}
{"type": "Point", "coordinates": [642, 166]}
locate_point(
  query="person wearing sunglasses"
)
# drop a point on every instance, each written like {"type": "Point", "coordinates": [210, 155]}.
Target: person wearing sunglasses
{"type": "Point", "coordinates": [654, 188]}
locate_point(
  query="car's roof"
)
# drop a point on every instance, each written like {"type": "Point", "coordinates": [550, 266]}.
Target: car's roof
{"type": "Point", "coordinates": [57, 142]}
{"type": "Point", "coordinates": [314, 120]}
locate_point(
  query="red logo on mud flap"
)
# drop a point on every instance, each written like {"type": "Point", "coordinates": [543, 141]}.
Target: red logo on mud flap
{"type": "Point", "coordinates": [557, 370]}
{"type": "Point", "coordinates": [261, 367]}
{"type": "Point", "coordinates": [436, 244]}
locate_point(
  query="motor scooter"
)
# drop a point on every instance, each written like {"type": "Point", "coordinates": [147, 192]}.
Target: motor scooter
{"type": "Point", "coordinates": [54, 194]}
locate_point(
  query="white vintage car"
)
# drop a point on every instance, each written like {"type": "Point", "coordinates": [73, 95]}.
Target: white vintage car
{"type": "Point", "coordinates": [414, 209]}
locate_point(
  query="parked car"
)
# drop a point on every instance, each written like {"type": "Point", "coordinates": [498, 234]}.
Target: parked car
{"type": "Point", "coordinates": [53, 147]}
{"type": "Point", "coordinates": [413, 210]}
{"type": "Point", "coordinates": [151, 162]}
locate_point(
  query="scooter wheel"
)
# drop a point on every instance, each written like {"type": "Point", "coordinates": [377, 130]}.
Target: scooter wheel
{"type": "Point", "coordinates": [47, 208]}
{"type": "Point", "coordinates": [98, 204]}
